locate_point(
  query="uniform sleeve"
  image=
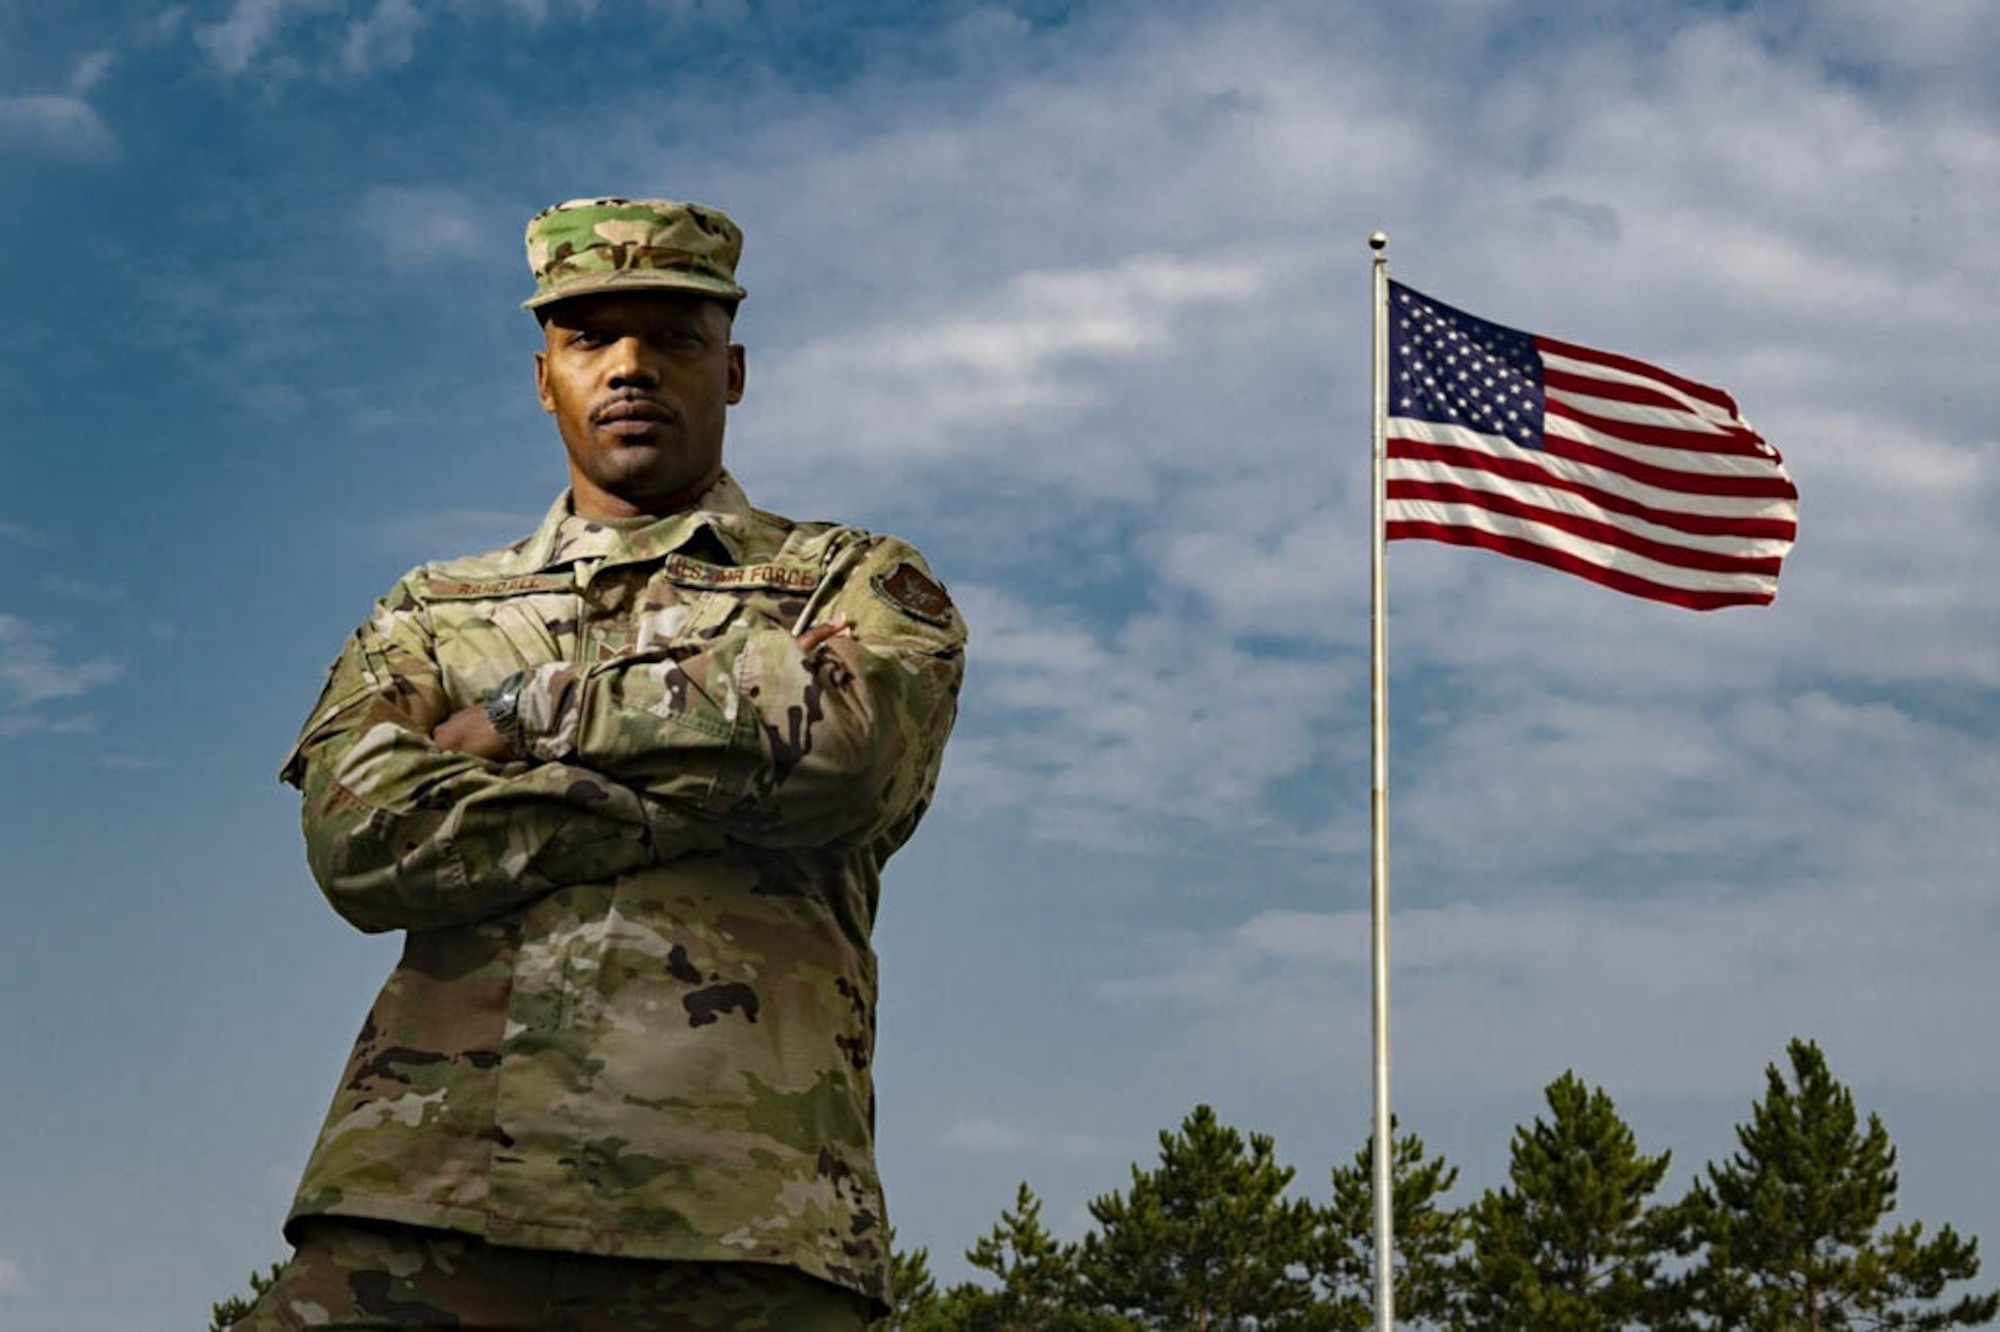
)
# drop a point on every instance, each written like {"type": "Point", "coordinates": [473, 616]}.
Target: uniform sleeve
{"type": "Point", "coordinates": [772, 744]}
{"type": "Point", "coordinates": [403, 835]}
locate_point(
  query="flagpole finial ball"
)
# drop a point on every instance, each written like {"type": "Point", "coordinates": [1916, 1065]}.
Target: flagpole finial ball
{"type": "Point", "coordinates": [1378, 240]}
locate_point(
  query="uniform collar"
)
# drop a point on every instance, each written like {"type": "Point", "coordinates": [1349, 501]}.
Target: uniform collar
{"type": "Point", "coordinates": [723, 509]}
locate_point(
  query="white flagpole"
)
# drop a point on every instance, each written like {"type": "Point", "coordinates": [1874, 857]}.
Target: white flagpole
{"type": "Point", "coordinates": [1385, 1288]}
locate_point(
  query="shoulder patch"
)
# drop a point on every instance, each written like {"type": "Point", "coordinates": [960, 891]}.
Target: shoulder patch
{"type": "Point", "coordinates": [910, 590]}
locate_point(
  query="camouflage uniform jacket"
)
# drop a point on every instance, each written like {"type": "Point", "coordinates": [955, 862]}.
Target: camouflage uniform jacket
{"type": "Point", "coordinates": [634, 1012]}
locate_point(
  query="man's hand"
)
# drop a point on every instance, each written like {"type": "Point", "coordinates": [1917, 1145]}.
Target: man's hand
{"type": "Point", "coordinates": [470, 731]}
{"type": "Point", "coordinates": [819, 633]}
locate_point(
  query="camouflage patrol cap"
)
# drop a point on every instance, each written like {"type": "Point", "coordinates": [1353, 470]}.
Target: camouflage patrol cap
{"type": "Point", "coordinates": [586, 246]}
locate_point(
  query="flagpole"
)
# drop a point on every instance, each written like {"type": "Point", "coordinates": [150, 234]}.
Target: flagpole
{"type": "Point", "coordinates": [1385, 1289]}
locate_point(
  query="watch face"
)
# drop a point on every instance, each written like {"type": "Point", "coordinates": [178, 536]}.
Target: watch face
{"type": "Point", "coordinates": [503, 710]}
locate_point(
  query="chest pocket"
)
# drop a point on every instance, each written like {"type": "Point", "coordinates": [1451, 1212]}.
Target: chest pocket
{"type": "Point", "coordinates": [713, 599]}
{"type": "Point", "coordinates": [488, 629]}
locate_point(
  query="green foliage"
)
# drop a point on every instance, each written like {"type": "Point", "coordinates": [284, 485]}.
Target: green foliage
{"type": "Point", "coordinates": [1787, 1228]}
{"type": "Point", "coordinates": [910, 1274]}
{"type": "Point", "coordinates": [1207, 1241]}
{"type": "Point", "coordinates": [223, 1316]}
{"type": "Point", "coordinates": [1428, 1237]}
{"type": "Point", "coordinates": [918, 1305]}
{"type": "Point", "coordinates": [1571, 1244]}
{"type": "Point", "coordinates": [1040, 1287]}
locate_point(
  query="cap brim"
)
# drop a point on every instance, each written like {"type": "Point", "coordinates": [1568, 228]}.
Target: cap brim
{"type": "Point", "coordinates": [640, 280]}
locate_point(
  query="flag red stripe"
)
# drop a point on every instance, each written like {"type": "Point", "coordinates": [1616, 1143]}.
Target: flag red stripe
{"type": "Point", "coordinates": [1740, 441]}
{"type": "Point", "coordinates": [1556, 425]}
{"type": "Point", "coordinates": [1590, 377]}
{"type": "Point", "coordinates": [1520, 469]}
{"type": "Point", "coordinates": [1694, 389]}
{"type": "Point", "coordinates": [1666, 478]}
{"type": "Point", "coordinates": [1454, 535]}
{"type": "Point", "coordinates": [1589, 529]}
{"type": "Point", "coordinates": [1620, 390]}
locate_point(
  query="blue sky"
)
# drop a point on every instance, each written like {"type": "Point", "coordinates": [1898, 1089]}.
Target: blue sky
{"type": "Point", "coordinates": [1073, 296]}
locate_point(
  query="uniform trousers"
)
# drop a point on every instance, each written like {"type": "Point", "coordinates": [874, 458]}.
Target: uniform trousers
{"type": "Point", "coordinates": [365, 1274]}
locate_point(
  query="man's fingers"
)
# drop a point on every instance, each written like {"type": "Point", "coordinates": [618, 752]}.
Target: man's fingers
{"type": "Point", "coordinates": [470, 731]}
{"type": "Point", "coordinates": [820, 633]}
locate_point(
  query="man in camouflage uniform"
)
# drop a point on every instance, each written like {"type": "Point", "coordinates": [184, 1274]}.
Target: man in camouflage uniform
{"type": "Point", "coordinates": [627, 785]}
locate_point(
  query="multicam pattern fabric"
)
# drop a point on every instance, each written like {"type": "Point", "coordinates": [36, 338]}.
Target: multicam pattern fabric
{"type": "Point", "coordinates": [635, 1011]}
{"type": "Point", "coordinates": [353, 1275]}
{"type": "Point", "coordinates": [593, 245]}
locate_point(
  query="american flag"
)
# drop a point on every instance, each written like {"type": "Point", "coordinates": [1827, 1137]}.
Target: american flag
{"type": "Point", "coordinates": [1583, 460]}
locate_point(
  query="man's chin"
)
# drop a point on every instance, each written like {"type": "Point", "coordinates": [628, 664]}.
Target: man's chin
{"type": "Point", "coordinates": [621, 465]}
{"type": "Point", "coordinates": [654, 489]}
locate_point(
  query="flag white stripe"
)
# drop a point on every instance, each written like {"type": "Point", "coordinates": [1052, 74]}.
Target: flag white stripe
{"type": "Point", "coordinates": [1700, 407]}
{"type": "Point", "coordinates": [1666, 418]}
{"type": "Point", "coordinates": [1565, 501]}
{"type": "Point", "coordinates": [1565, 469]}
{"type": "Point", "coordinates": [1679, 460]}
{"type": "Point", "coordinates": [1592, 552]}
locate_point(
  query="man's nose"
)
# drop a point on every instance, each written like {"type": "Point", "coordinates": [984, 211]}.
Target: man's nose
{"type": "Point", "coordinates": [631, 364]}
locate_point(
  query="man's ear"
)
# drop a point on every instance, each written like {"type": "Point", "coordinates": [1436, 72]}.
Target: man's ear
{"type": "Point", "coordinates": [542, 383]}
{"type": "Point", "coordinates": [736, 373]}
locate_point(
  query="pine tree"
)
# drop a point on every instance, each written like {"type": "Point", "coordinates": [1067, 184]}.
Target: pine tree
{"type": "Point", "coordinates": [1206, 1242]}
{"type": "Point", "coordinates": [1428, 1237]}
{"type": "Point", "coordinates": [1788, 1227]}
{"type": "Point", "coordinates": [1571, 1244]}
{"type": "Point", "coordinates": [223, 1316]}
{"type": "Point", "coordinates": [1040, 1287]}
{"type": "Point", "coordinates": [915, 1290]}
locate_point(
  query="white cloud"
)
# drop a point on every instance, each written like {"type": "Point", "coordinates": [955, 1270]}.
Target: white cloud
{"type": "Point", "coordinates": [1686, 993]}
{"type": "Point", "coordinates": [1928, 38]}
{"type": "Point", "coordinates": [12, 1280]}
{"type": "Point", "coordinates": [31, 674]}
{"type": "Point", "coordinates": [366, 39]}
{"type": "Point", "coordinates": [983, 1134]}
{"type": "Point", "coordinates": [21, 533]}
{"type": "Point", "coordinates": [1810, 866]}
{"type": "Point", "coordinates": [90, 71]}
{"type": "Point", "coordinates": [385, 39]}
{"type": "Point", "coordinates": [55, 124]}
{"type": "Point", "coordinates": [1105, 733]}
{"type": "Point", "coordinates": [167, 23]}
{"type": "Point", "coordinates": [427, 224]}
{"type": "Point", "coordinates": [237, 40]}
{"type": "Point", "coordinates": [1023, 357]}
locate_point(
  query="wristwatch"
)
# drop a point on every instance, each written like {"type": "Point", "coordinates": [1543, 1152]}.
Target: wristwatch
{"type": "Point", "coordinates": [503, 709]}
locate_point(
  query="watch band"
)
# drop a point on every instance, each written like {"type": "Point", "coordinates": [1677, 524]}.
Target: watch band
{"type": "Point", "coordinates": [503, 709]}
